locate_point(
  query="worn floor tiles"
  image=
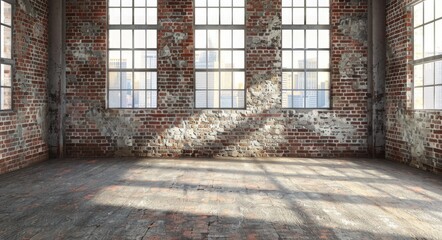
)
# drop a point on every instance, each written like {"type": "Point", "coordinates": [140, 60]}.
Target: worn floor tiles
{"type": "Point", "coordinates": [277, 198]}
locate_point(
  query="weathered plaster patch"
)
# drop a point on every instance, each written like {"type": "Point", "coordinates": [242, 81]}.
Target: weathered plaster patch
{"type": "Point", "coordinates": [354, 27]}
{"type": "Point", "coordinates": [27, 7]}
{"type": "Point", "coordinates": [272, 36]}
{"type": "Point", "coordinates": [353, 66]}
{"type": "Point", "coordinates": [89, 29]}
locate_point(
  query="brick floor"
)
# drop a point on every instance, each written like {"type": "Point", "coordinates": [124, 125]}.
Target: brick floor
{"type": "Point", "coordinates": [278, 198]}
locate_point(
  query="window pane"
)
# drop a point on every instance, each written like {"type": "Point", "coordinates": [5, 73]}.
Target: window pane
{"type": "Point", "coordinates": [429, 10]}
{"type": "Point", "coordinates": [238, 59]}
{"type": "Point", "coordinates": [226, 16]}
{"type": "Point", "coordinates": [324, 38]}
{"type": "Point", "coordinates": [200, 59]}
{"type": "Point", "coordinates": [151, 59]}
{"type": "Point", "coordinates": [238, 38]}
{"type": "Point", "coordinates": [140, 15]}
{"type": "Point", "coordinates": [116, 3]}
{"type": "Point", "coordinates": [429, 74]}
{"type": "Point", "coordinates": [287, 59]}
{"type": "Point", "coordinates": [213, 99]}
{"type": "Point", "coordinates": [139, 99]}
{"type": "Point", "coordinates": [311, 59]}
{"type": "Point", "coordinates": [114, 59]}
{"type": "Point", "coordinates": [429, 98]}
{"type": "Point", "coordinates": [287, 99]}
{"type": "Point", "coordinates": [438, 48]}
{"type": "Point", "coordinates": [200, 3]}
{"type": "Point", "coordinates": [312, 3]}
{"type": "Point", "coordinates": [418, 14]}
{"type": "Point", "coordinates": [298, 81]}
{"type": "Point", "coordinates": [418, 75]}
{"type": "Point", "coordinates": [6, 16]}
{"type": "Point", "coordinates": [226, 80]}
{"type": "Point", "coordinates": [200, 39]}
{"type": "Point", "coordinates": [438, 9]}
{"type": "Point", "coordinates": [298, 16]}
{"type": "Point", "coordinates": [151, 80]}
{"type": "Point", "coordinates": [139, 80]}
{"type": "Point", "coordinates": [213, 38]}
{"type": "Point", "coordinates": [298, 99]}
{"type": "Point", "coordinates": [139, 3]}
{"type": "Point", "coordinates": [312, 38]}
{"type": "Point", "coordinates": [238, 80]}
{"type": "Point", "coordinates": [311, 99]}
{"type": "Point", "coordinates": [323, 59]}
{"type": "Point", "coordinates": [114, 16]}
{"type": "Point", "coordinates": [438, 72]}
{"type": "Point", "coordinates": [286, 16]}
{"type": "Point", "coordinates": [238, 16]}
{"type": "Point", "coordinates": [226, 99]}
{"type": "Point", "coordinates": [429, 40]}
{"type": "Point", "coordinates": [6, 39]}
{"type": "Point", "coordinates": [312, 16]}
{"type": "Point", "coordinates": [286, 38]}
{"type": "Point", "coordinates": [312, 80]}
{"type": "Point", "coordinates": [286, 80]}
{"type": "Point", "coordinates": [152, 16]}
{"type": "Point", "coordinates": [126, 16]}
{"type": "Point", "coordinates": [298, 39]}
{"type": "Point", "coordinates": [201, 80]}
{"type": "Point", "coordinates": [418, 98]}
{"type": "Point", "coordinates": [126, 39]}
{"type": "Point", "coordinates": [140, 59]}
{"type": "Point", "coordinates": [323, 99]}
{"type": "Point", "coordinates": [298, 59]}
{"type": "Point", "coordinates": [213, 80]}
{"type": "Point", "coordinates": [5, 78]}
{"type": "Point", "coordinates": [114, 80]}
{"type": "Point", "coordinates": [6, 98]}
{"type": "Point", "coordinates": [286, 3]}
{"type": "Point", "coordinates": [151, 100]}
{"type": "Point", "coordinates": [438, 97]}
{"type": "Point", "coordinates": [212, 59]}
{"type": "Point", "coordinates": [213, 3]}
{"type": "Point", "coordinates": [419, 43]}
{"type": "Point", "coordinates": [213, 16]}
{"type": "Point", "coordinates": [226, 38]}
{"type": "Point", "coordinates": [126, 80]}
{"type": "Point", "coordinates": [324, 16]}
{"type": "Point", "coordinates": [126, 59]}
{"type": "Point", "coordinates": [114, 99]}
{"type": "Point", "coordinates": [200, 16]}
{"type": "Point", "coordinates": [151, 39]}
{"type": "Point", "coordinates": [140, 39]}
{"type": "Point", "coordinates": [323, 80]}
{"type": "Point", "coordinates": [126, 3]}
{"type": "Point", "coordinates": [114, 39]}
{"type": "Point", "coordinates": [226, 59]}
{"type": "Point", "coordinates": [226, 3]}
{"type": "Point", "coordinates": [152, 3]}
{"type": "Point", "coordinates": [126, 99]}
{"type": "Point", "coordinates": [238, 99]}
{"type": "Point", "coordinates": [238, 3]}
{"type": "Point", "coordinates": [323, 3]}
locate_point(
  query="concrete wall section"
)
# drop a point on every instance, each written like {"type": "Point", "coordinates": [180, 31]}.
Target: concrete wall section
{"type": "Point", "coordinates": [24, 131]}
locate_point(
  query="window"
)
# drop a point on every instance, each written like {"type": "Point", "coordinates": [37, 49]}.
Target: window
{"type": "Point", "coordinates": [305, 54]}
{"type": "Point", "coordinates": [132, 54]}
{"type": "Point", "coordinates": [219, 54]}
{"type": "Point", "coordinates": [6, 55]}
{"type": "Point", "coordinates": [427, 25]}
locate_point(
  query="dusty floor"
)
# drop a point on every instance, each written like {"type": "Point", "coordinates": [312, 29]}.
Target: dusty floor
{"type": "Point", "coordinates": [220, 199]}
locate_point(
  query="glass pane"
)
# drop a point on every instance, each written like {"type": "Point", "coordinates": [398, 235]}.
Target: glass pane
{"type": "Point", "coordinates": [126, 80]}
{"type": "Point", "coordinates": [238, 99]}
{"type": "Point", "coordinates": [298, 59]}
{"type": "Point", "coordinates": [311, 99]}
{"type": "Point", "coordinates": [226, 38]}
{"type": "Point", "coordinates": [6, 14]}
{"type": "Point", "coordinates": [226, 80]}
{"type": "Point", "coordinates": [226, 16]}
{"type": "Point", "coordinates": [286, 38]}
{"type": "Point", "coordinates": [429, 74]}
{"type": "Point", "coordinates": [324, 16]}
{"type": "Point", "coordinates": [139, 80]}
{"type": "Point", "coordinates": [226, 3]}
{"type": "Point", "coordinates": [140, 59]}
{"type": "Point", "coordinates": [238, 59]}
{"type": "Point", "coordinates": [126, 16]}
{"type": "Point", "coordinates": [201, 80]}
{"type": "Point", "coordinates": [438, 98]}
{"type": "Point", "coordinates": [152, 3]}
{"type": "Point", "coordinates": [200, 39]}
{"type": "Point", "coordinates": [323, 59]}
{"type": "Point", "coordinates": [114, 59]}
{"type": "Point", "coordinates": [298, 3]}
{"type": "Point", "coordinates": [323, 3]}
{"type": "Point", "coordinates": [6, 42]}
{"type": "Point", "coordinates": [312, 38]}
{"type": "Point", "coordinates": [286, 80]}
{"type": "Point", "coordinates": [126, 3]}
{"type": "Point", "coordinates": [238, 16]}
{"type": "Point", "coordinates": [286, 3]}
{"type": "Point", "coordinates": [140, 15]}
{"type": "Point", "coordinates": [200, 59]}
{"type": "Point", "coordinates": [226, 99]}
{"type": "Point", "coordinates": [418, 14]}
{"type": "Point", "coordinates": [213, 99]}
{"type": "Point", "coordinates": [200, 16]}
{"type": "Point", "coordinates": [126, 40]}
{"type": "Point", "coordinates": [116, 3]}
{"type": "Point", "coordinates": [429, 10]}
{"type": "Point", "coordinates": [114, 80]}
{"type": "Point", "coordinates": [312, 3]}
{"type": "Point", "coordinates": [323, 80]}
{"type": "Point", "coordinates": [213, 16]}
{"type": "Point", "coordinates": [6, 98]}
{"type": "Point", "coordinates": [418, 75]}
{"type": "Point", "coordinates": [212, 59]}
{"type": "Point", "coordinates": [5, 78]}
{"type": "Point", "coordinates": [298, 80]}
{"type": "Point", "coordinates": [212, 80]}
{"type": "Point", "coordinates": [140, 39]}
{"type": "Point", "coordinates": [114, 39]}
{"type": "Point", "coordinates": [140, 3]}
{"type": "Point", "coordinates": [151, 38]}
{"type": "Point", "coordinates": [114, 16]}
{"type": "Point", "coordinates": [126, 59]}
{"type": "Point", "coordinates": [151, 80]}
{"type": "Point", "coordinates": [298, 39]}
{"type": "Point", "coordinates": [438, 9]}
{"type": "Point", "coordinates": [438, 72]}
{"type": "Point", "coordinates": [298, 99]}
{"type": "Point", "coordinates": [438, 47]}
{"type": "Point", "coordinates": [287, 59]}
{"type": "Point", "coordinates": [151, 59]}
{"type": "Point", "coordinates": [429, 40]}
{"type": "Point", "coordinates": [114, 99]}
{"type": "Point", "coordinates": [418, 98]}
{"type": "Point", "coordinates": [287, 100]}
{"type": "Point", "coordinates": [286, 16]}
{"type": "Point", "coordinates": [126, 99]}
{"type": "Point", "coordinates": [238, 80]}
{"type": "Point", "coordinates": [429, 98]}
{"type": "Point", "coordinates": [152, 16]}
{"type": "Point", "coordinates": [151, 99]}
{"type": "Point", "coordinates": [200, 3]}
{"type": "Point", "coordinates": [238, 38]}
{"type": "Point", "coordinates": [238, 3]}
{"type": "Point", "coordinates": [311, 59]}
{"type": "Point", "coordinates": [213, 38]}
{"type": "Point", "coordinates": [312, 80]}
{"type": "Point", "coordinates": [213, 3]}
{"type": "Point", "coordinates": [419, 43]}
{"type": "Point", "coordinates": [312, 16]}
{"type": "Point", "coordinates": [323, 99]}
{"type": "Point", "coordinates": [139, 99]}
{"type": "Point", "coordinates": [324, 38]}
{"type": "Point", "coordinates": [226, 59]}
{"type": "Point", "coordinates": [298, 16]}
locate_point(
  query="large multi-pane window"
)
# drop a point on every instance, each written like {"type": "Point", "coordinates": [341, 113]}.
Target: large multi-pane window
{"type": "Point", "coordinates": [219, 54]}
{"type": "Point", "coordinates": [6, 55]}
{"type": "Point", "coordinates": [132, 54]}
{"type": "Point", "coordinates": [305, 53]}
{"type": "Point", "coordinates": [427, 24]}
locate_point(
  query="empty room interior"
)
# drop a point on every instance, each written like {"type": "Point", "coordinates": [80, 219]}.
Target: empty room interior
{"type": "Point", "coordinates": [220, 119]}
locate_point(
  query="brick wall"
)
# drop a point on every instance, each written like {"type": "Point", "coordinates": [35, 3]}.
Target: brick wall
{"type": "Point", "coordinates": [413, 137]}
{"type": "Point", "coordinates": [175, 128]}
{"type": "Point", "coordinates": [23, 131]}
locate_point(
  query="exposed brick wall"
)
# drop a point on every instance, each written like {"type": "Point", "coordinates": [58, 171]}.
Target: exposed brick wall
{"type": "Point", "coordinates": [413, 137]}
{"type": "Point", "coordinates": [177, 129]}
{"type": "Point", "coordinates": [23, 131]}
